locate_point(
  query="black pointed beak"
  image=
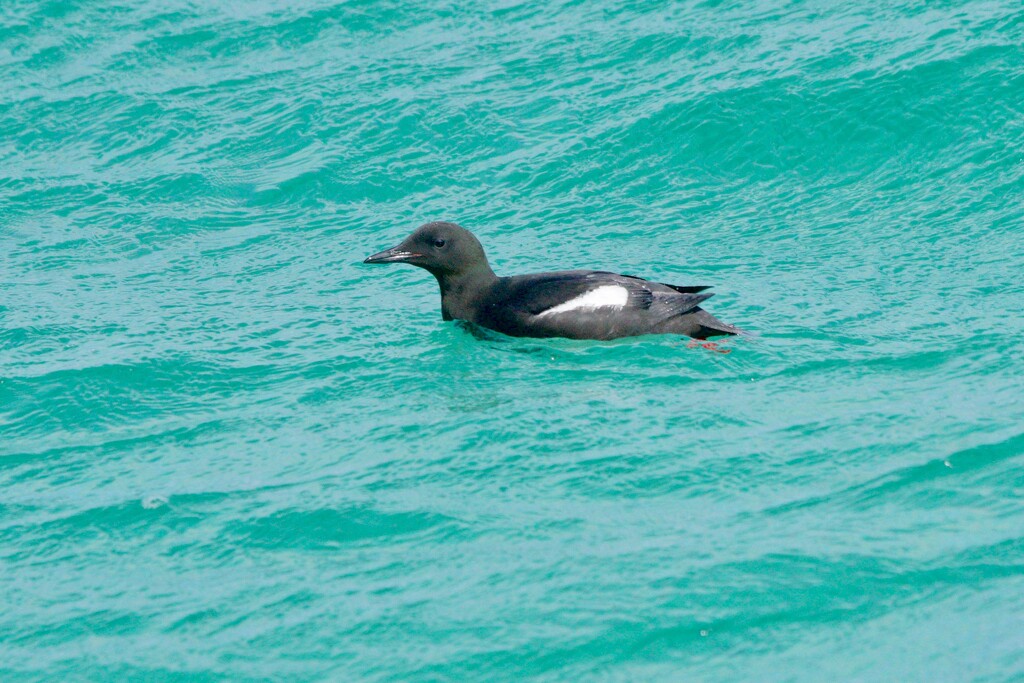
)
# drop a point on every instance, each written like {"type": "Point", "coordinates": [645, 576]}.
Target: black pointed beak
{"type": "Point", "coordinates": [392, 255]}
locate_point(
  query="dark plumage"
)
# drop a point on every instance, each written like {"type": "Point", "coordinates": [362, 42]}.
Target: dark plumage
{"type": "Point", "coordinates": [579, 304]}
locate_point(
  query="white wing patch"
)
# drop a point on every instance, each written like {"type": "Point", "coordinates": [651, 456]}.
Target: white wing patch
{"type": "Point", "coordinates": [606, 296]}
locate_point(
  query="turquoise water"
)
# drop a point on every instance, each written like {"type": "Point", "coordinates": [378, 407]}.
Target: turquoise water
{"type": "Point", "coordinates": [231, 451]}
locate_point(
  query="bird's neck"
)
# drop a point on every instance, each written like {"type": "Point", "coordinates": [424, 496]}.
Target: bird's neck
{"type": "Point", "coordinates": [462, 292]}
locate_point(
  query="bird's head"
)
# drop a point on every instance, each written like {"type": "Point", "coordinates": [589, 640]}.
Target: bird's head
{"type": "Point", "coordinates": [445, 249]}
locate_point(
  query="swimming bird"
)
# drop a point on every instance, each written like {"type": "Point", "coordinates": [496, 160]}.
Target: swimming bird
{"type": "Point", "coordinates": [578, 304]}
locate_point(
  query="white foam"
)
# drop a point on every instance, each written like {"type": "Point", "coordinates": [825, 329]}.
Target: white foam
{"type": "Point", "coordinates": [607, 296]}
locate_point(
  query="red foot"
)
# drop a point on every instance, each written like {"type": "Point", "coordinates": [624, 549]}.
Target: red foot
{"type": "Point", "coordinates": [710, 346]}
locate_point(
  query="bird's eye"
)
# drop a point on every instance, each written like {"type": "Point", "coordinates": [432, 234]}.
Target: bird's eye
{"type": "Point", "coordinates": [439, 242]}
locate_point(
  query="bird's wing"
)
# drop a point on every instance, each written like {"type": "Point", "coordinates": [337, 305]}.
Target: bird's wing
{"type": "Point", "coordinates": [682, 289]}
{"type": "Point", "coordinates": [584, 297]}
{"type": "Point", "coordinates": [552, 293]}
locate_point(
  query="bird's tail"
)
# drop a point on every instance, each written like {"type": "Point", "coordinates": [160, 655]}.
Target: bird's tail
{"type": "Point", "coordinates": [710, 326]}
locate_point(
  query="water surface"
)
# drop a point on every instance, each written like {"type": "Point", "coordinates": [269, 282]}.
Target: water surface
{"type": "Point", "coordinates": [231, 451]}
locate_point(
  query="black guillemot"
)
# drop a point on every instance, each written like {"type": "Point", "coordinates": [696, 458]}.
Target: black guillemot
{"type": "Point", "coordinates": [578, 304]}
